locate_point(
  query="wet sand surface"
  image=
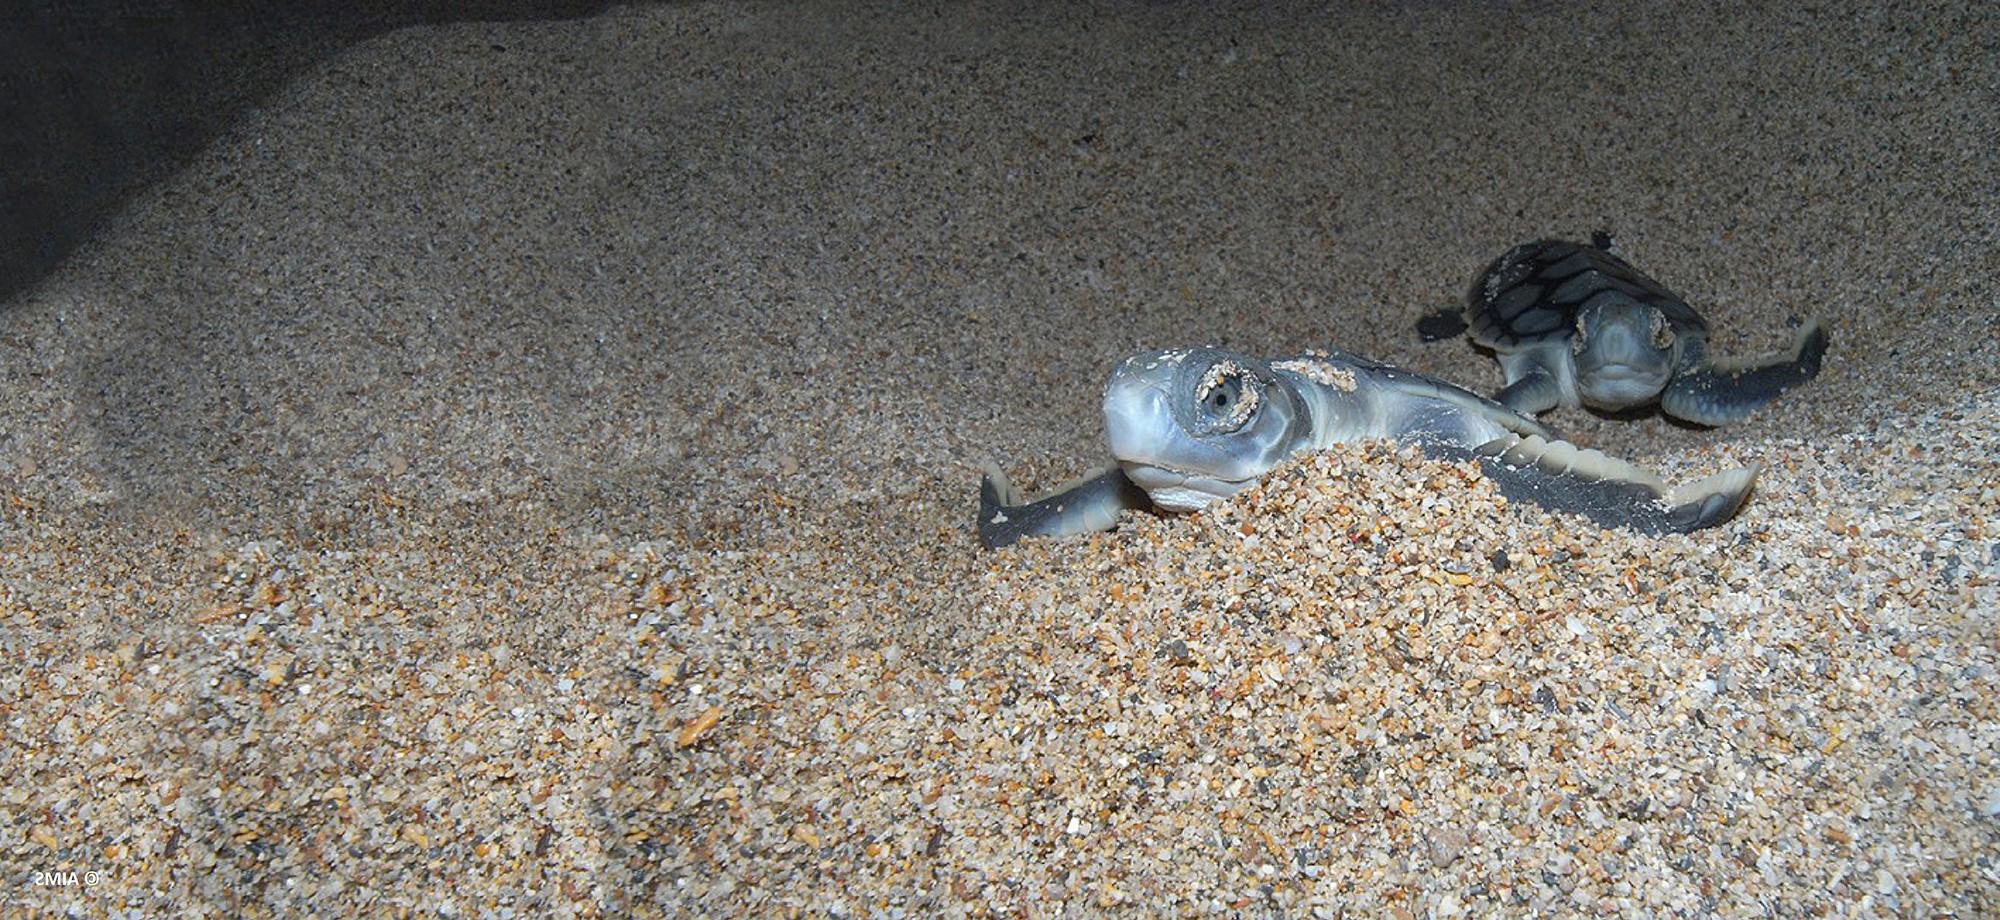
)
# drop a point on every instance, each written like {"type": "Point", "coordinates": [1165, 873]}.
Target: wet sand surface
{"type": "Point", "coordinates": [528, 469]}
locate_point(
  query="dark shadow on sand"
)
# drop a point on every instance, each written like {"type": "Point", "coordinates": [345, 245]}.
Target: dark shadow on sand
{"type": "Point", "coordinates": [100, 97]}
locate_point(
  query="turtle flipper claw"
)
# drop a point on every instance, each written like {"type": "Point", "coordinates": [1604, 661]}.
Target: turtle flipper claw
{"type": "Point", "coordinates": [1721, 393]}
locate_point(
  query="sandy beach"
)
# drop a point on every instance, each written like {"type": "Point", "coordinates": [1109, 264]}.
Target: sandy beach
{"type": "Point", "coordinates": [529, 469]}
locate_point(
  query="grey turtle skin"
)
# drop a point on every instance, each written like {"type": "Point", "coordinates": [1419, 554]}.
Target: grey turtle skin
{"type": "Point", "coordinates": [1574, 325]}
{"type": "Point", "coordinates": [1193, 425]}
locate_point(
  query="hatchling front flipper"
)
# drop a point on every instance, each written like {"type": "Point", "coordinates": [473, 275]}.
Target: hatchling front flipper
{"type": "Point", "coordinates": [1086, 505]}
{"type": "Point", "coordinates": [1721, 392]}
{"type": "Point", "coordinates": [1533, 393]}
{"type": "Point", "coordinates": [1563, 477]}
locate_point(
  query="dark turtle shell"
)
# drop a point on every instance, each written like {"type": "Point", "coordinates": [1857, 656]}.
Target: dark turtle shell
{"type": "Point", "coordinates": [1533, 292]}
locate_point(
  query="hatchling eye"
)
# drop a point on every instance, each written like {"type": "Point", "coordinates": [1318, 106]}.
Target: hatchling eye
{"type": "Point", "coordinates": [1227, 396]}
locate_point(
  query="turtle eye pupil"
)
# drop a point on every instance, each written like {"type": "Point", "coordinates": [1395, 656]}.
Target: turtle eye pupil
{"type": "Point", "coordinates": [1227, 396]}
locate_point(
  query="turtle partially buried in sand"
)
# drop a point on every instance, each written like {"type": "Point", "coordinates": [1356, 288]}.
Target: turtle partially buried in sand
{"type": "Point", "coordinates": [1574, 325]}
{"type": "Point", "coordinates": [1192, 425]}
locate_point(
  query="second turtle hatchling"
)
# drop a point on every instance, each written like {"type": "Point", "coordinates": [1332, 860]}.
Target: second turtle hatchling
{"type": "Point", "coordinates": [1574, 325]}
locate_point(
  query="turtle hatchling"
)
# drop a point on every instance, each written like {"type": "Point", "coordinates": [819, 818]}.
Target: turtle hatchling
{"type": "Point", "coordinates": [1574, 325]}
{"type": "Point", "coordinates": [1193, 425]}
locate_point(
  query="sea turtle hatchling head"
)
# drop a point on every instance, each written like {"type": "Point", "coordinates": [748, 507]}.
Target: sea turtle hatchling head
{"type": "Point", "coordinates": [1574, 325]}
{"type": "Point", "coordinates": [1193, 425]}
{"type": "Point", "coordinates": [1624, 351]}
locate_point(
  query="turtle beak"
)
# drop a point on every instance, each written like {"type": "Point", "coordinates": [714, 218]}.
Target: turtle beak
{"type": "Point", "coordinates": [1137, 414]}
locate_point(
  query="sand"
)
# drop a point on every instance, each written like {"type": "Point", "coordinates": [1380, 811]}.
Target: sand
{"type": "Point", "coordinates": [527, 469]}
